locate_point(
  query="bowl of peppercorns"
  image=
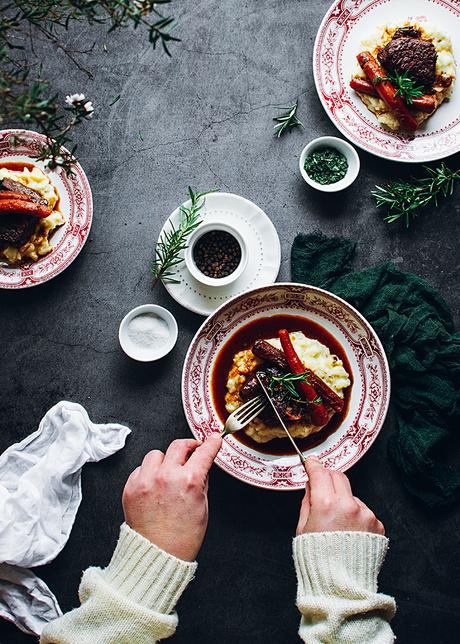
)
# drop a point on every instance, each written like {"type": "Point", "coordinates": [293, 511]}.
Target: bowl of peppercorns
{"type": "Point", "coordinates": [216, 254]}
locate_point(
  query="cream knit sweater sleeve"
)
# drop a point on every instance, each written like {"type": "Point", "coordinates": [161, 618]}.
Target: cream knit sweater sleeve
{"type": "Point", "coordinates": [337, 588]}
{"type": "Point", "coordinates": [129, 602]}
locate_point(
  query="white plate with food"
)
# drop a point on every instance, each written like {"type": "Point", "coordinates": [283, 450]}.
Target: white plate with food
{"type": "Point", "coordinates": [46, 215]}
{"type": "Point", "coordinates": [344, 363]}
{"type": "Point", "coordinates": [262, 252]}
{"type": "Point", "coordinates": [399, 100]}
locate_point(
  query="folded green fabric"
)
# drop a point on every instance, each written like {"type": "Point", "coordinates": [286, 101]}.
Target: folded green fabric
{"type": "Point", "coordinates": [415, 326]}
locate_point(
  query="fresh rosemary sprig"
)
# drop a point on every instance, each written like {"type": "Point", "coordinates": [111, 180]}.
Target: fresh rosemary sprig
{"type": "Point", "coordinates": [173, 241]}
{"type": "Point", "coordinates": [405, 86]}
{"type": "Point", "coordinates": [287, 120]}
{"type": "Point", "coordinates": [404, 198]}
{"type": "Point", "coordinates": [288, 382]}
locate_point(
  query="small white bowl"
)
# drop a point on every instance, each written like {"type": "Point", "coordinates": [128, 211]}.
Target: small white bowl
{"type": "Point", "coordinates": [341, 146]}
{"type": "Point", "coordinates": [193, 268]}
{"type": "Point", "coordinates": [146, 354]}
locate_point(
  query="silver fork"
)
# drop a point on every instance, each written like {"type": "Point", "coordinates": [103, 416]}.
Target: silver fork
{"type": "Point", "coordinates": [243, 415]}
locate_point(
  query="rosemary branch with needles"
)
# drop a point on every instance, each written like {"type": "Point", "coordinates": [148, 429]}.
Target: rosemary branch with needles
{"type": "Point", "coordinates": [174, 240]}
{"type": "Point", "coordinates": [403, 198]}
{"type": "Point", "coordinates": [405, 86]}
{"type": "Point", "coordinates": [287, 120]}
{"type": "Point", "coordinates": [288, 382]}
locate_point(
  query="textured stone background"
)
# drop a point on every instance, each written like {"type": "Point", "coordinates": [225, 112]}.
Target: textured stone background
{"type": "Point", "coordinates": [203, 118]}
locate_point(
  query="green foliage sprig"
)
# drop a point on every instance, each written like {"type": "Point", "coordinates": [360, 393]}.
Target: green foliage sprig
{"type": "Point", "coordinates": [288, 382]}
{"type": "Point", "coordinates": [174, 240]}
{"type": "Point", "coordinates": [405, 86]}
{"type": "Point", "coordinates": [403, 199]}
{"type": "Point", "coordinates": [26, 98]}
{"type": "Point", "coordinates": [287, 120]}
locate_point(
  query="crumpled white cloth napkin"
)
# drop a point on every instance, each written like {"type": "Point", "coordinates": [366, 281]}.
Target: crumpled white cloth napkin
{"type": "Point", "coordinates": [40, 491]}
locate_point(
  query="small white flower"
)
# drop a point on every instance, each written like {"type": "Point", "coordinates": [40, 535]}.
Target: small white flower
{"type": "Point", "coordinates": [89, 109]}
{"type": "Point", "coordinates": [72, 99]}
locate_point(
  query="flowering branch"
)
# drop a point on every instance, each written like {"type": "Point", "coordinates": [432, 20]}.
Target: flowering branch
{"type": "Point", "coordinates": [28, 102]}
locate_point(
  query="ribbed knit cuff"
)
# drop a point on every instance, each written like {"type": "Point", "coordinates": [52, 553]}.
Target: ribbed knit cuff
{"type": "Point", "coordinates": [145, 574]}
{"type": "Point", "coordinates": [338, 562]}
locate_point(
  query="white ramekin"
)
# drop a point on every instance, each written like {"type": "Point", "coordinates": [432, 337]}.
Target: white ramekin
{"type": "Point", "coordinates": [193, 268]}
{"type": "Point", "coordinates": [341, 146]}
{"type": "Point", "coordinates": [144, 354]}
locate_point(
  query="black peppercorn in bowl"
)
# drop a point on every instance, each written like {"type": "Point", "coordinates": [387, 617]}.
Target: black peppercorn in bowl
{"type": "Point", "coordinates": [216, 254]}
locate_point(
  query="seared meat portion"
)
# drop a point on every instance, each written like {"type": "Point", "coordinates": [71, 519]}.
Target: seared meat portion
{"type": "Point", "coordinates": [250, 389]}
{"type": "Point", "coordinates": [289, 409]}
{"type": "Point", "coordinates": [413, 55]}
{"type": "Point", "coordinates": [265, 351]}
{"type": "Point", "coordinates": [15, 186]}
{"type": "Point", "coordinates": [16, 229]}
{"type": "Point", "coordinates": [410, 31]}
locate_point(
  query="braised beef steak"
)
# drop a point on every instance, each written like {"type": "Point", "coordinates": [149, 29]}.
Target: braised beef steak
{"type": "Point", "coordinates": [410, 31]}
{"type": "Point", "coordinates": [413, 55]}
{"type": "Point", "coordinates": [15, 186]}
{"type": "Point", "coordinates": [15, 229]}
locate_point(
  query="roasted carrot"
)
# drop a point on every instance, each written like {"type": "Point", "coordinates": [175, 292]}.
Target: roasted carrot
{"type": "Point", "coordinates": [319, 414]}
{"type": "Point", "coordinates": [24, 208]}
{"type": "Point", "coordinates": [385, 89]}
{"type": "Point", "coordinates": [425, 103]}
{"type": "Point", "coordinates": [7, 194]}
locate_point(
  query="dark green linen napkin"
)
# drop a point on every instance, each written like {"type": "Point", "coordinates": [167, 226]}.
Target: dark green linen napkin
{"type": "Point", "coordinates": [415, 326]}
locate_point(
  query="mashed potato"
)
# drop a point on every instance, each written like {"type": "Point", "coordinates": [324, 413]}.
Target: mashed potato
{"type": "Point", "coordinates": [38, 244]}
{"type": "Point", "coordinates": [314, 356]}
{"type": "Point", "coordinates": [445, 64]}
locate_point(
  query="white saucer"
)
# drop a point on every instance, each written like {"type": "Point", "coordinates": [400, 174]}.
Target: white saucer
{"type": "Point", "coordinates": [263, 246]}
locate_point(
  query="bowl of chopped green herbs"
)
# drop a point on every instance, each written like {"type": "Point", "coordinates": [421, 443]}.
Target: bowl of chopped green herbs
{"type": "Point", "coordinates": [329, 164]}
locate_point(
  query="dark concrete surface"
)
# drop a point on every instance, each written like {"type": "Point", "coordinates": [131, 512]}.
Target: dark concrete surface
{"type": "Point", "coordinates": [203, 118]}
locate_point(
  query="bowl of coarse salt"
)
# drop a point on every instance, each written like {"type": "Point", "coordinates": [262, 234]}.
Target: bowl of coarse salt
{"type": "Point", "coordinates": [148, 333]}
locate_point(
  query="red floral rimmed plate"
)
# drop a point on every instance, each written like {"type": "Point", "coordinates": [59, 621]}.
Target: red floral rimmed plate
{"type": "Point", "coordinates": [344, 26]}
{"type": "Point", "coordinates": [75, 202]}
{"type": "Point", "coordinates": [369, 396]}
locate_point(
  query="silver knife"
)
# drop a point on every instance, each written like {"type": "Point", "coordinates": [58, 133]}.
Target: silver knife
{"type": "Point", "coordinates": [281, 421]}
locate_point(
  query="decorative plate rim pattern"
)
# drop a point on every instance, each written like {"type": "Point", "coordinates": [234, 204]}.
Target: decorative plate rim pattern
{"type": "Point", "coordinates": [371, 392]}
{"type": "Point", "coordinates": [78, 218]}
{"type": "Point", "coordinates": [358, 128]}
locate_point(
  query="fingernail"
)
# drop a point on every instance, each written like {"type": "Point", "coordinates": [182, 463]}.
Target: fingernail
{"type": "Point", "coordinates": [313, 457]}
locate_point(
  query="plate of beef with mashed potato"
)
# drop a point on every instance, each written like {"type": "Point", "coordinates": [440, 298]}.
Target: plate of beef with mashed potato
{"type": "Point", "coordinates": [386, 71]}
{"type": "Point", "coordinates": [323, 365]}
{"type": "Point", "coordinates": [45, 215]}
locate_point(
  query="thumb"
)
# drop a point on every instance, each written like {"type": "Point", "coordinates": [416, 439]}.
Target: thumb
{"type": "Point", "coordinates": [304, 510]}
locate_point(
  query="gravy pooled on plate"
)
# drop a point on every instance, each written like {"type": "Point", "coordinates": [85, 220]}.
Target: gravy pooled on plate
{"type": "Point", "coordinates": [312, 401]}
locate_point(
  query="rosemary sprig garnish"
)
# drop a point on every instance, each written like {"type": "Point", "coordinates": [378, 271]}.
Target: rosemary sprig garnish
{"type": "Point", "coordinates": [174, 240]}
{"type": "Point", "coordinates": [404, 198]}
{"type": "Point", "coordinates": [288, 382]}
{"type": "Point", "coordinates": [405, 86]}
{"type": "Point", "coordinates": [287, 120]}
